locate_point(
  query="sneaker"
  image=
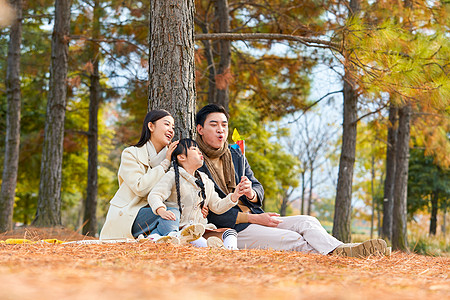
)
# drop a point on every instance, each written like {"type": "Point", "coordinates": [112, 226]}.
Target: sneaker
{"type": "Point", "coordinates": [156, 238]}
{"type": "Point", "coordinates": [215, 242]}
{"type": "Point", "coordinates": [367, 248]}
{"type": "Point", "coordinates": [168, 239]}
{"type": "Point", "coordinates": [191, 233]}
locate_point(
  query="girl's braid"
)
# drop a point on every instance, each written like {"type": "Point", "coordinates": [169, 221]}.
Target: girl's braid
{"type": "Point", "coordinates": [177, 182]}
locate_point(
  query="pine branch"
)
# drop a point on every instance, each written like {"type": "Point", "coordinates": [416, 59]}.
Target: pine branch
{"type": "Point", "coordinates": [269, 36]}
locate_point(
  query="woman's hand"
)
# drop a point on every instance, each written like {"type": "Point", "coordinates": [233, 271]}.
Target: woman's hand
{"type": "Point", "coordinates": [170, 149]}
{"type": "Point", "coordinates": [166, 214]}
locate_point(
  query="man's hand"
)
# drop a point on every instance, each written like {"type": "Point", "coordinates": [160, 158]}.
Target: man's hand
{"type": "Point", "coordinates": [264, 219]}
{"type": "Point", "coordinates": [245, 188]}
{"type": "Point", "coordinates": [166, 214]}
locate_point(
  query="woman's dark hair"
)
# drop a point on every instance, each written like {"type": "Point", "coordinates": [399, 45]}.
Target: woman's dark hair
{"type": "Point", "coordinates": [151, 116]}
{"type": "Point", "coordinates": [182, 147]}
{"type": "Point", "coordinates": [203, 113]}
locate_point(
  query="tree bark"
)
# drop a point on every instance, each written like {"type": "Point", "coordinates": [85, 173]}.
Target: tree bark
{"type": "Point", "coordinates": [399, 230]}
{"type": "Point", "coordinates": [311, 172]}
{"type": "Point", "coordinates": [171, 62]}
{"type": "Point", "coordinates": [90, 207]}
{"type": "Point", "coordinates": [343, 204]}
{"type": "Point", "coordinates": [388, 199]}
{"type": "Point", "coordinates": [49, 200]}
{"type": "Point", "coordinates": [223, 17]}
{"type": "Point", "coordinates": [434, 211]}
{"type": "Point", "coordinates": [302, 207]}
{"type": "Point", "coordinates": [372, 184]}
{"type": "Point", "coordinates": [12, 137]}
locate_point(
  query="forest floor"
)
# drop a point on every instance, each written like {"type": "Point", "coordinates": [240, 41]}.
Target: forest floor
{"type": "Point", "coordinates": [148, 271]}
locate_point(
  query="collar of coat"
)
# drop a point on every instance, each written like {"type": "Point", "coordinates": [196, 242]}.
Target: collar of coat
{"type": "Point", "coordinates": [189, 178]}
{"type": "Point", "coordinates": [147, 155]}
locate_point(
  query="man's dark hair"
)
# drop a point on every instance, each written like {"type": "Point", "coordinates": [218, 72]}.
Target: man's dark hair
{"type": "Point", "coordinates": [208, 109]}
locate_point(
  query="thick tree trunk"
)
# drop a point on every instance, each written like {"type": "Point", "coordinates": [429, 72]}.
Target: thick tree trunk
{"type": "Point", "coordinates": [399, 231]}
{"type": "Point", "coordinates": [388, 199]}
{"type": "Point", "coordinates": [49, 200]}
{"type": "Point", "coordinates": [434, 211]}
{"type": "Point", "coordinates": [90, 207]}
{"type": "Point", "coordinates": [223, 73]}
{"type": "Point", "coordinates": [343, 203]}
{"type": "Point", "coordinates": [171, 62]}
{"type": "Point", "coordinates": [342, 210]}
{"type": "Point", "coordinates": [12, 137]}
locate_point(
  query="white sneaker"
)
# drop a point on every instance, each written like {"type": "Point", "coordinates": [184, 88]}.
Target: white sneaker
{"type": "Point", "coordinates": [215, 242]}
{"type": "Point", "coordinates": [190, 233]}
{"type": "Point", "coordinates": [156, 238]}
{"type": "Point", "coordinates": [168, 239]}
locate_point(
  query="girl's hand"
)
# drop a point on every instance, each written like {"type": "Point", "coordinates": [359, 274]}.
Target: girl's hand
{"type": "Point", "coordinates": [205, 211]}
{"type": "Point", "coordinates": [166, 214]}
{"type": "Point", "coordinates": [170, 149]}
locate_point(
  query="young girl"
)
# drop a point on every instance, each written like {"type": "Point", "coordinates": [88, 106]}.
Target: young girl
{"type": "Point", "coordinates": [189, 190]}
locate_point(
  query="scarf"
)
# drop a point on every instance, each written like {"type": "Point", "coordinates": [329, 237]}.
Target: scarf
{"type": "Point", "coordinates": [227, 183]}
{"type": "Point", "coordinates": [155, 159]}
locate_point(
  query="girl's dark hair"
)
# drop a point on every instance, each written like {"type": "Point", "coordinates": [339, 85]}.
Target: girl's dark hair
{"type": "Point", "coordinates": [181, 148]}
{"type": "Point", "coordinates": [151, 116]}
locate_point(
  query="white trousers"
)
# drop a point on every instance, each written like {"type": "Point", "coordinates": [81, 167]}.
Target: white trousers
{"type": "Point", "coordinates": [295, 233]}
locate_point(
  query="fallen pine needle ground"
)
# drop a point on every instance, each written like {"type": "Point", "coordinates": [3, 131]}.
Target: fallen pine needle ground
{"type": "Point", "coordinates": [148, 270]}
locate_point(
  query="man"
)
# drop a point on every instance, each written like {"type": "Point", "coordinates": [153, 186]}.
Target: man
{"type": "Point", "coordinates": [256, 229]}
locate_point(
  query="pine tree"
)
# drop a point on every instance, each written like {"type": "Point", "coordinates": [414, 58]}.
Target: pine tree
{"type": "Point", "coordinates": [49, 200]}
{"type": "Point", "coordinates": [12, 137]}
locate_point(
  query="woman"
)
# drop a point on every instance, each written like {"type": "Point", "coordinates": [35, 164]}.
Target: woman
{"type": "Point", "coordinates": [141, 167]}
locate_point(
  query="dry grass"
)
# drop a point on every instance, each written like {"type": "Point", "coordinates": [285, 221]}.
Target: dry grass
{"type": "Point", "coordinates": [147, 270]}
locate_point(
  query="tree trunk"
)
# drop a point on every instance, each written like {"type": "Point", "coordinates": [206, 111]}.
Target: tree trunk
{"type": "Point", "coordinates": [372, 184]}
{"type": "Point", "coordinates": [90, 207]}
{"type": "Point", "coordinates": [171, 62]}
{"type": "Point", "coordinates": [12, 137]}
{"type": "Point", "coordinates": [343, 203]}
{"type": "Point", "coordinates": [444, 219]}
{"type": "Point", "coordinates": [302, 207]}
{"type": "Point", "coordinates": [388, 199]}
{"type": "Point", "coordinates": [434, 211]}
{"type": "Point", "coordinates": [399, 231]}
{"type": "Point", "coordinates": [49, 200]}
{"type": "Point", "coordinates": [223, 73]}
{"type": "Point", "coordinates": [310, 190]}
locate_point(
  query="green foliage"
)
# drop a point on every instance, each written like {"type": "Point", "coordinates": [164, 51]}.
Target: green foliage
{"type": "Point", "coordinates": [426, 179]}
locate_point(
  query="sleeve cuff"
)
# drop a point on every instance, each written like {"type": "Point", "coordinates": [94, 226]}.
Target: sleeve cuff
{"type": "Point", "coordinates": [242, 218]}
{"type": "Point", "coordinates": [165, 164]}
